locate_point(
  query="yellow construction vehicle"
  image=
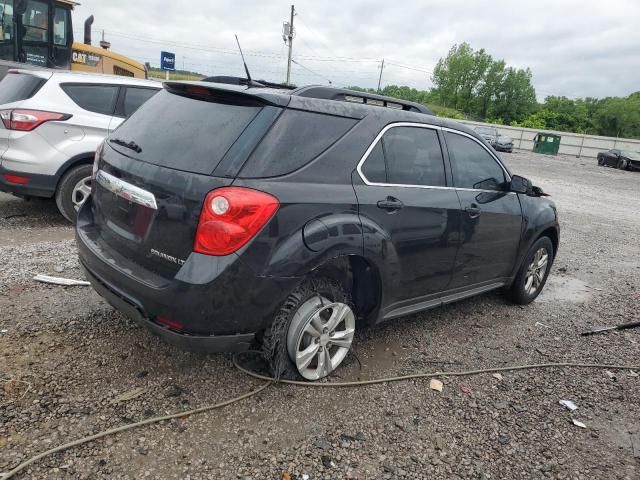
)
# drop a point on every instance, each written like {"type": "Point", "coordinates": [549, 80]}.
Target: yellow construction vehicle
{"type": "Point", "coordinates": [39, 33]}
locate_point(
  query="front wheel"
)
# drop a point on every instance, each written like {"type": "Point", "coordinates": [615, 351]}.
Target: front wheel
{"type": "Point", "coordinates": [600, 161]}
{"type": "Point", "coordinates": [622, 164]}
{"type": "Point", "coordinates": [74, 188]}
{"type": "Point", "coordinates": [312, 333]}
{"type": "Point", "coordinates": [534, 272]}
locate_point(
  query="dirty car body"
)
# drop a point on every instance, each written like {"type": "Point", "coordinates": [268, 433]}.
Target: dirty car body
{"type": "Point", "coordinates": [398, 241]}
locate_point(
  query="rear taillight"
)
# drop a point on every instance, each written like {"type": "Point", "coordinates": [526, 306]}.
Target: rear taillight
{"type": "Point", "coordinates": [230, 217]}
{"type": "Point", "coordinates": [27, 120]}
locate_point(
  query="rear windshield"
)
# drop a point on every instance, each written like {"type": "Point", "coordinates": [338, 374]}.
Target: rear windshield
{"type": "Point", "coordinates": [295, 140]}
{"type": "Point", "coordinates": [16, 87]}
{"type": "Point", "coordinates": [183, 133]}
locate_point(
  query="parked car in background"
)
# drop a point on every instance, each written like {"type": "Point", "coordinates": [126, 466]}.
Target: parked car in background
{"type": "Point", "coordinates": [308, 214]}
{"type": "Point", "coordinates": [490, 134]}
{"type": "Point", "coordinates": [622, 159]}
{"type": "Point", "coordinates": [52, 123]}
{"type": "Point", "coordinates": [504, 143]}
{"type": "Point", "coordinates": [501, 143]}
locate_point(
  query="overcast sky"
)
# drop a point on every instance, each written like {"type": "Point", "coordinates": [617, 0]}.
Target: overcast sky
{"type": "Point", "coordinates": [574, 48]}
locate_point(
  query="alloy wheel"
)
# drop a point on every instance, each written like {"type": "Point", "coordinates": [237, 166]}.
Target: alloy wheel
{"type": "Point", "coordinates": [81, 192]}
{"type": "Point", "coordinates": [536, 271]}
{"type": "Point", "coordinates": [320, 337]}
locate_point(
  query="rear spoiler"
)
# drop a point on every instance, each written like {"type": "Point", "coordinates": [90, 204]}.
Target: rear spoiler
{"type": "Point", "coordinates": [226, 93]}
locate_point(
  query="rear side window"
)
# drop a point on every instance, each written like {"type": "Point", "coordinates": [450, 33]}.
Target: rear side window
{"type": "Point", "coordinates": [135, 97]}
{"type": "Point", "coordinates": [16, 87]}
{"type": "Point", "coordinates": [184, 133]}
{"type": "Point", "coordinates": [473, 166]}
{"type": "Point", "coordinates": [407, 156]}
{"type": "Point", "coordinates": [95, 98]}
{"type": "Point", "coordinates": [295, 140]}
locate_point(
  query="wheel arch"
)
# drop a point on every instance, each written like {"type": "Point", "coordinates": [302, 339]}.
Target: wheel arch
{"type": "Point", "coordinates": [361, 278]}
{"type": "Point", "coordinates": [80, 159]}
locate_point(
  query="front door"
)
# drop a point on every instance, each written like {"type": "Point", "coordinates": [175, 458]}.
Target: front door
{"type": "Point", "coordinates": [491, 216]}
{"type": "Point", "coordinates": [409, 213]}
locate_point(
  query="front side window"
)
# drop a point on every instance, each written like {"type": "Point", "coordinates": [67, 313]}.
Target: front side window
{"type": "Point", "coordinates": [60, 26]}
{"type": "Point", "coordinates": [6, 20]}
{"type": "Point", "coordinates": [473, 167]}
{"type": "Point", "coordinates": [35, 20]}
{"type": "Point", "coordinates": [95, 98]}
{"type": "Point", "coordinates": [407, 156]}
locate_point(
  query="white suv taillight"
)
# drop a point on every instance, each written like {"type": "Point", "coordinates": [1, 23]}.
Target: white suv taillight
{"type": "Point", "coordinates": [27, 120]}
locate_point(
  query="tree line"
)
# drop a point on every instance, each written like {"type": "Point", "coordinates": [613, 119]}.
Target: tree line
{"type": "Point", "coordinates": [471, 84]}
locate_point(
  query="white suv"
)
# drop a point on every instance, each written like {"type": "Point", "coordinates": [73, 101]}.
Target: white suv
{"type": "Point", "coordinates": [52, 123]}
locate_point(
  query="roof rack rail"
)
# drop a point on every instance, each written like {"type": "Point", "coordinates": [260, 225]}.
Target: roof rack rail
{"type": "Point", "coordinates": [354, 96]}
{"type": "Point", "coordinates": [230, 80]}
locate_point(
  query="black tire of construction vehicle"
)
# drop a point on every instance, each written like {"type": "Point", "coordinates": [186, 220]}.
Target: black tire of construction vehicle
{"type": "Point", "coordinates": [65, 191]}
{"type": "Point", "coordinates": [518, 292]}
{"type": "Point", "coordinates": [274, 343]}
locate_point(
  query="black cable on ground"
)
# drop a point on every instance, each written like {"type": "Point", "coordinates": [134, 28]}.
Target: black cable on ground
{"type": "Point", "coordinates": [270, 381]}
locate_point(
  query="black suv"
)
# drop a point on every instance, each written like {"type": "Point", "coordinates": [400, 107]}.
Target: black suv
{"type": "Point", "coordinates": [224, 216]}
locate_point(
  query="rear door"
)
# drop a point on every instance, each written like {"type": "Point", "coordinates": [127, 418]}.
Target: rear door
{"type": "Point", "coordinates": [404, 194]}
{"type": "Point", "coordinates": [155, 172]}
{"type": "Point", "coordinates": [491, 216]}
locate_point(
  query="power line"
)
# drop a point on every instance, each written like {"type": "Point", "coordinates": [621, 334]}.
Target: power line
{"type": "Point", "coordinates": [309, 70]}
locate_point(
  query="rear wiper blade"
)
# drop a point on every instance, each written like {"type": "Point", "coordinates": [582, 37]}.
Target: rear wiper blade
{"type": "Point", "coordinates": [130, 145]}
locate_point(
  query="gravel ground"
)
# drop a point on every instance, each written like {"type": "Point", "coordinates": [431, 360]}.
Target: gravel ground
{"type": "Point", "coordinates": [66, 357]}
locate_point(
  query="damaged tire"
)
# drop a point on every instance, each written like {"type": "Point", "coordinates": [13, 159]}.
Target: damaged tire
{"type": "Point", "coordinates": [534, 272]}
{"type": "Point", "coordinates": [312, 333]}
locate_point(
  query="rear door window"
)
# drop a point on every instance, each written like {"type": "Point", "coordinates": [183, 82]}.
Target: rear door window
{"type": "Point", "coordinates": [473, 166]}
{"type": "Point", "coordinates": [135, 97]}
{"type": "Point", "coordinates": [17, 86]}
{"type": "Point", "coordinates": [296, 139]}
{"type": "Point", "coordinates": [407, 156]}
{"type": "Point", "coordinates": [95, 98]}
{"type": "Point", "coordinates": [184, 133]}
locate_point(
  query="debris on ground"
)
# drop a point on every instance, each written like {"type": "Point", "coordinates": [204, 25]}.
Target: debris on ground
{"type": "Point", "coordinates": [578, 423]}
{"type": "Point", "coordinates": [67, 282]}
{"type": "Point", "coordinates": [540, 324]}
{"type": "Point", "coordinates": [130, 395]}
{"type": "Point", "coordinates": [435, 384]}
{"type": "Point", "coordinates": [286, 476]}
{"type": "Point", "coordinates": [611, 375]}
{"type": "Point", "coordinates": [497, 376]}
{"type": "Point", "coordinates": [465, 389]}
{"type": "Point", "coordinates": [569, 404]}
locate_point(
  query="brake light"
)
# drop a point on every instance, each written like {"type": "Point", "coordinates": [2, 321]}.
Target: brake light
{"type": "Point", "coordinates": [27, 120]}
{"type": "Point", "coordinates": [167, 322]}
{"type": "Point", "coordinates": [16, 179]}
{"type": "Point", "coordinates": [230, 217]}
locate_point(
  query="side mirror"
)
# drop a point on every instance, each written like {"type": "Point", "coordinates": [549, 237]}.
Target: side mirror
{"type": "Point", "coordinates": [520, 184]}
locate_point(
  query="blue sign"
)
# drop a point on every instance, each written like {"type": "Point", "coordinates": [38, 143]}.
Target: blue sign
{"type": "Point", "coordinates": [167, 61]}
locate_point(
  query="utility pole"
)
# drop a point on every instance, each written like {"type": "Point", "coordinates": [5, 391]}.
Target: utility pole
{"type": "Point", "coordinates": [288, 33]}
{"type": "Point", "coordinates": [380, 77]}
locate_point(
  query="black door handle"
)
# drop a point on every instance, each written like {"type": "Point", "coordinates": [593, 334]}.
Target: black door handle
{"type": "Point", "coordinates": [390, 203]}
{"type": "Point", "coordinates": [473, 211]}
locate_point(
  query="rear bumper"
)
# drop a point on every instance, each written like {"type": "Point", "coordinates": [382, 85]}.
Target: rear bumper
{"type": "Point", "coordinates": [38, 185]}
{"type": "Point", "coordinates": [218, 302]}
{"type": "Point", "coordinates": [195, 343]}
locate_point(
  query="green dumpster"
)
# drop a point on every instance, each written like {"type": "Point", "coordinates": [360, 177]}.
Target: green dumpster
{"type": "Point", "coordinates": [547, 143]}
